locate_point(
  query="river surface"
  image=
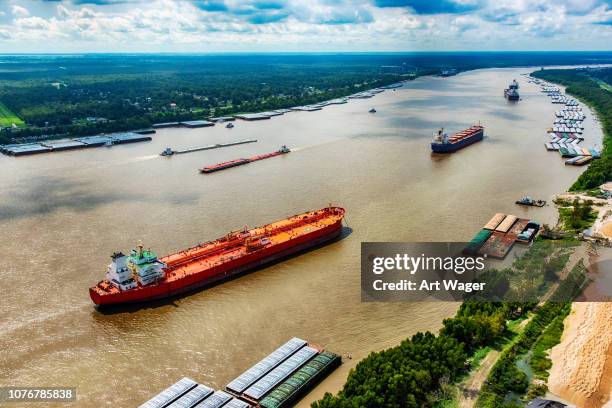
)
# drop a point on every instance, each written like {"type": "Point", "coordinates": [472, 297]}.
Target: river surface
{"type": "Point", "coordinates": [63, 214]}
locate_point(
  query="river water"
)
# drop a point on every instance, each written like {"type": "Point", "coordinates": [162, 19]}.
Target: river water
{"type": "Point", "coordinates": [63, 214]}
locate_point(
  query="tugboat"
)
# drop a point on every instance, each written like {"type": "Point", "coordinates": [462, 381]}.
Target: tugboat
{"type": "Point", "coordinates": [511, 93]}
{"type": "Point", "coordinates": [531, 202]}
{"type": "Point", "coordinates": [372, 110]}
{"type": "Point", "coordinates": [167, 152]}
{"type": "Point", "coordinates": [229, 125]}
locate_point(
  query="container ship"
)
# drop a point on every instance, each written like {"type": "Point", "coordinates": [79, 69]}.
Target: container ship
{"type": "Point", "coordinates": [442, 143]}
{"type": "Point", "coordinates": [142, 276]}
{"type": "Point", "coordinates": [239, 162]}
{"type": "Point", "coordinates": [511, 93]}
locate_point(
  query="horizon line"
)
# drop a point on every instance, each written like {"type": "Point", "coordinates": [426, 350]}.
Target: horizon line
{"type": "Point", "coordinates": [300, 52]}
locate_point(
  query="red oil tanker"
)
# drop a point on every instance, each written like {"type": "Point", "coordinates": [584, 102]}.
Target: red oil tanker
{"type": "Point", "coordinates": [141, 276]}
{"type": "Point", "coordinates": [239, 162]}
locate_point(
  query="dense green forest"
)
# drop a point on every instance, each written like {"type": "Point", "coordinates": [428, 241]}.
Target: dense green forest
{"type": "Point", "coordinates": [58, 95]}
{"type": "Point", "coordinates": [591, 86]}
{"type": "Point", "coordinates": [422, 370]}
{"type": "Point", "coordinates": [413, 373]}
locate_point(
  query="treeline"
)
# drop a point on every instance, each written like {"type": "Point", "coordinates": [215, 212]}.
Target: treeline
{"type": "Point", "coordinates": [579, 83]}
{"type": "Point", "coordinates": [61, 102]}
{"type": "Point", "coordinates": [411, 374]}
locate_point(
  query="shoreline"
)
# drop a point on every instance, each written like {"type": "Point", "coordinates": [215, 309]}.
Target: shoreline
{"type": "Point", "coordinates": [581, 370]}
{"type": "Point", "coordinates": [385, 87]}
{"type": "Point", "coordinates": [335, 382]}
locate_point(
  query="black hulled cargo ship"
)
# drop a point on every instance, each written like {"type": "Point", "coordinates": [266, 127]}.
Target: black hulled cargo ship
{"type": "Point", "coordinates": [442, 143]}
{"type": "Point", "coordinates": [511, 93]}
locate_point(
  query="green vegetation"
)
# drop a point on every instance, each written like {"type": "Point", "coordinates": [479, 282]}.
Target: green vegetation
{"type": "Point", "coordinates": [8, 118]}
{"type": "Point", "coordinates": [506, 378]}
{"type": "Point", "coordinates": [586, 86]}
{"type": "Point", "coordinates": [403, 377]}
{"type": "Point", "coordinates": [576, 216]}
{"type": "Point", "coordinates": [417, 373]}
{"type": "Point", "coordinates": [69, 95]}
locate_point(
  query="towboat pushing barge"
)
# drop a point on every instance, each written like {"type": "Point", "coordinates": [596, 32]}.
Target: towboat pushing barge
{"type": "Point", "coordinates": [442, 143]}
{"type": "Point", "coordinates": [239, 162]}
{"type": "Point", "coordinates": [142, 276]}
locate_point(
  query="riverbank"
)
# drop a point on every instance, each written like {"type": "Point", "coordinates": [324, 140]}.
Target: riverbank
{"type": "Point", "coordinates": [581, 370]}
{"type": "Point", "coordinates": [352, 391]}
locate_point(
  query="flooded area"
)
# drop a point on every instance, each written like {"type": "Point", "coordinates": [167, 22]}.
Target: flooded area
{"type": "Point", "coordinates": [63, 214]}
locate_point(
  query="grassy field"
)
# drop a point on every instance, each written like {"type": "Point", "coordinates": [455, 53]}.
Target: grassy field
{"type": "Point", "coordinates": [603, 85]}
{"type": "Point", "coordinates": [7, 118]}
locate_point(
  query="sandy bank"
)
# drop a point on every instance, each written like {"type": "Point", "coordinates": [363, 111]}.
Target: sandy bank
{"type": "Point", "coordinates": [582, 363]}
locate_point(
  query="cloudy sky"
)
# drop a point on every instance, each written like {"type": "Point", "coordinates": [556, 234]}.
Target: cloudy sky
{"type": "Point", "coordinates": [303, 25]}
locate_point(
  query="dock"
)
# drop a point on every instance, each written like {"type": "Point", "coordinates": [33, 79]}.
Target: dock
{"type": "Point", "coordinates": [277, 381]}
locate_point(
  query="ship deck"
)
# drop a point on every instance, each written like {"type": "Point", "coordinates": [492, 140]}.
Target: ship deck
{"type": "Point", "coordinates": [236, 245]}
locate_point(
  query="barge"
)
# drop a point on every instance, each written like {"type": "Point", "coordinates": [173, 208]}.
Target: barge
{"type": "Point", "coordinates": [50, 146]}
{"type": "Point", "coordinates": [142, 276]}
{"type": "Point", "coordinates": [239, 162]}
{"type": "Point", "coordinates": [170, 152]}
{"type": "Point", "coordinates": [499, 235]}
{"type": "Point", "coordinates": [277, 381]}
{"type": "Point", "coordinates": [442, 143]}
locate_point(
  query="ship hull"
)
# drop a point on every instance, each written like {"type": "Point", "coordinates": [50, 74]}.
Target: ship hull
{"type": "Point", "coordinates": [222, 272]}
{"type": "Point", "coordinates": [453, 147]}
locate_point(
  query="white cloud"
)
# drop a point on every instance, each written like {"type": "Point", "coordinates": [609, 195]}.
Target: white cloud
{"type": "Point", "coordinates": [251, 25]}
{"type": "Point", "coordinates": [19, 11]}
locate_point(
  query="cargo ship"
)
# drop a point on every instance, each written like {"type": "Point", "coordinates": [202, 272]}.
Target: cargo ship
{"type": "Point", "coordinates": [511, 93]}
{"type": "Point", "coordinates": [239, 162]}
{"type": "Point", "coordinates": [142, 276]}
{"type": "Point", "coordinates": [442, 143]}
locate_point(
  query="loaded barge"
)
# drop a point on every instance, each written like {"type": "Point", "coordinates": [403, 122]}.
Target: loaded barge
{"type": "Point", "coordinates": [442, 143]}
{"type": "Point", "coordinates": [50, 146]}
{"type": "Point", "coordinates": [499, 235]}
{"type": "Point", "coordinates": [277, 381]}
{"type": "Point", "coordinates": [142, 276]}
{"type": "Point", "coordinates": [239, 162]}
